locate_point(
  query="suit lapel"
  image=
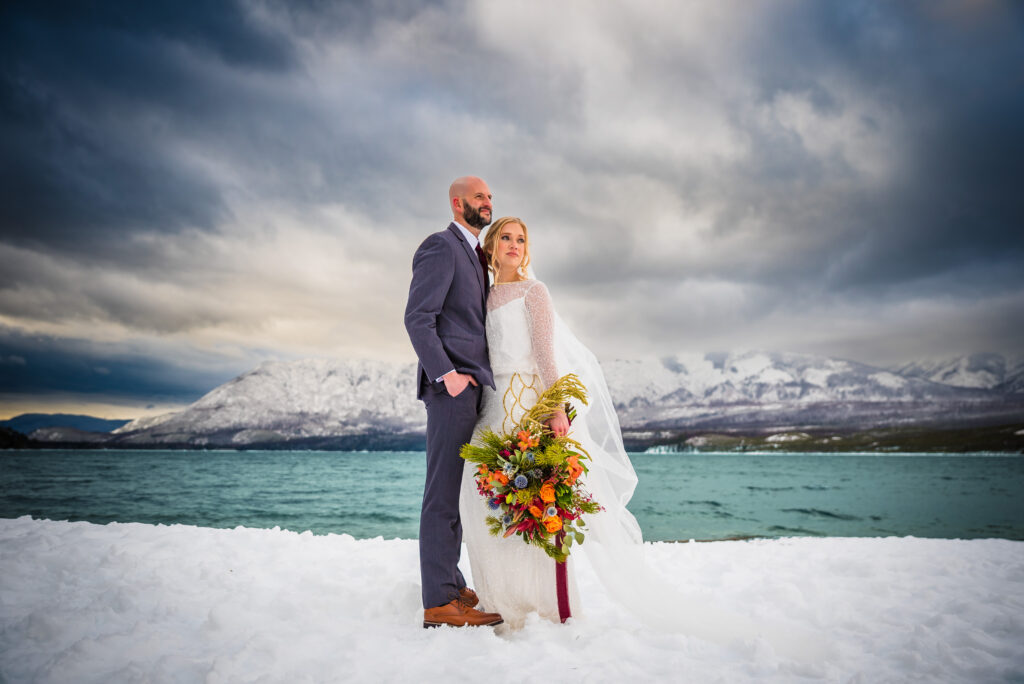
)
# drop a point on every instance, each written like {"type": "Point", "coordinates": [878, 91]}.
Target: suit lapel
{"type": "Point", "coordinates": [474, 259]}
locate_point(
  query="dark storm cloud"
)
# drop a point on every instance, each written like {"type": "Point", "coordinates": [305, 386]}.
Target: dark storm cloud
{"type": "Point", "coordinates": [97, 96]}
{"type": "Point", "coordinates": [93, 98]}
{"type": "Point", "coordinates": [118, 119]}
{"type": "Point", "coordinates": [41, 364]}
{"type": "Point", "coordinates": [953, 83]}
{"type": "Point", "coordinates": [954, 74]}
{"type": "Point", "coordinates": [112, 115]}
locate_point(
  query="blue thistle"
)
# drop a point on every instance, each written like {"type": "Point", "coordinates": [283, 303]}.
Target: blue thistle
{"type": "Point", "coordinates": [529, 457]}
{"type": "Point", "coordinates": [551, 512]}
{"type": "Point", "coordinates": [506, 520]}
{"type": "Point", "coordinates": [493, 504]}
{"type": "Point", "coordinates": [520, 482]}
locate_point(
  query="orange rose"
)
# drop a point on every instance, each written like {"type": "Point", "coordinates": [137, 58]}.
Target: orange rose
{"type": "Point", "coordinates": [547, 493]}
{"type": "Point", "coordinates": [575, 469]}
{"type": "Point", "coordinates": [536, 512]}
{"type": "Point", "coordinates": [553, 524]}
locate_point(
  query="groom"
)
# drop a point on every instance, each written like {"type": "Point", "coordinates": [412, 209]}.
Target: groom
{"type": "Point", "coordinates": [445, 321]}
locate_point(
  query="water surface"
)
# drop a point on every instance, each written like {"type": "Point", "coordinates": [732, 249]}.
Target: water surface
{"type": "Point", "coordinates": [679, 496]}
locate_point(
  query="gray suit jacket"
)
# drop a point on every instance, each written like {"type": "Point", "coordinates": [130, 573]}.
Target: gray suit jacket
{"type": "Point", "coordinates": [445, 312]}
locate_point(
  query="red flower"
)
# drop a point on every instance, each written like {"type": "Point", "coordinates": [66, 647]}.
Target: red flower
{"type": "Point", "coordinates": [527, 525]}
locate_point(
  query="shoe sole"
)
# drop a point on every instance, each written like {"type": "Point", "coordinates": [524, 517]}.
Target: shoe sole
{"type": "Point", "coordinates": [430, 625]}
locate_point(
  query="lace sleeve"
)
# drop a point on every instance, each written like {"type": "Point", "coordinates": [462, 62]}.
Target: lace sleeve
{"type": "Point", "coordinates": [540, 317]}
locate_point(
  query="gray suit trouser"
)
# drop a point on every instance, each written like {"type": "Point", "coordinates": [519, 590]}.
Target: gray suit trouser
{"type": "Point", "coordinates": [450, 423]}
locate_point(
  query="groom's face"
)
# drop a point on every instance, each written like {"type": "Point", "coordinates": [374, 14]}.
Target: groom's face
{"type": "Point", "coordinates": [476, 206]}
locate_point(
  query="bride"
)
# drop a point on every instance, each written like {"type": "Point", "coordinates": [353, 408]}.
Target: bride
{"type": "Point", "coordinates": [530, 347]}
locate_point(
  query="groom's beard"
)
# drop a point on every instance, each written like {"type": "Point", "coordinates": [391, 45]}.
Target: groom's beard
{"type": "Point", "coordinates": [473, 217]}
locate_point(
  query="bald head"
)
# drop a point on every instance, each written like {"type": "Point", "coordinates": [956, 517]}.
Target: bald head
{"type": "Point", "coordinates": [460, 186]}
{"type": "Point", "coordinates": [470, 200]}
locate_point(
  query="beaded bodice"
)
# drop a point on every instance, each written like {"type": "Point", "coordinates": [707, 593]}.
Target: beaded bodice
{"type": "Point", "coordinates": [520, 330]}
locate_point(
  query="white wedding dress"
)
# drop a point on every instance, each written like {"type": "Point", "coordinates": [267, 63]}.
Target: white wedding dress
{"type": "Point", "coordinates": [530, 347]}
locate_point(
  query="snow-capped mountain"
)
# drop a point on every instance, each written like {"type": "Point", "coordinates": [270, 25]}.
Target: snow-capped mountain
{"type": "Point", "coordinates": [293, 401]}
{"type": "Point", "coordinates": [716, 379]}
{"type": "Point", "coordinates": [987, 371]}
{"type": "Point", "coordinates": [367, 404]}
{"type": "Point", "coordinates": [760, 389]}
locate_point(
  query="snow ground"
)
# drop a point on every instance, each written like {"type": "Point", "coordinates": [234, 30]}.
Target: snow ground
{"type": "Point", "coordinates": [128, 602]}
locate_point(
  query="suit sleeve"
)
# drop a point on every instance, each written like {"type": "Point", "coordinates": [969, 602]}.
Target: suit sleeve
{"type": "Point", "coordinates": [433, 268]}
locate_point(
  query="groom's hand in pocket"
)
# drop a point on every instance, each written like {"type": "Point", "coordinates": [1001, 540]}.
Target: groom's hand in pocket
{"type": "Point", "coordinates": [455, 382]}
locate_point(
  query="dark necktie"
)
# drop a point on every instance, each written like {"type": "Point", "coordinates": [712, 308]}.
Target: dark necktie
{"type": "Point", "coordinates": [483, 263]}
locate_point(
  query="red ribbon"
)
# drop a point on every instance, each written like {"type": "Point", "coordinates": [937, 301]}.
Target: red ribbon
{"type": "Point", "coordinates": [562, 584]}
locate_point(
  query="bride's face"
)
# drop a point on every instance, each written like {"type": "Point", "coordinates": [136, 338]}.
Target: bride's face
{"type": "Point", "coordinates": [511, 246]}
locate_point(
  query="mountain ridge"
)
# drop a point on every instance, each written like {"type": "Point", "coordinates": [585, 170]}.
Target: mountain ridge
{"type": "Point", "coordinates": [318, 403]}
{"type": "Point", "coordinates": [26, 423]}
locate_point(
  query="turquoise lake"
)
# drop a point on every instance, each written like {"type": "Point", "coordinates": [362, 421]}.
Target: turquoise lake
{"type": "Point", "coordinates": [679, 496]}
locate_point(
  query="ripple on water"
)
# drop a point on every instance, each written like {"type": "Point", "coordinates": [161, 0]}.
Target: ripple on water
{"type": "Point", "coordinates": [819, 513]}
{"type": "Point", "coordinates": [802, 531]}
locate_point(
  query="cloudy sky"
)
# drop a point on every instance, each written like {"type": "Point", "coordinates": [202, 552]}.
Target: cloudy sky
{"type": "Point", "coordinates": [189, 189]}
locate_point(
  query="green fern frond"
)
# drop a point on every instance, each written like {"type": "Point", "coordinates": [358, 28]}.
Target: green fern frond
{"type": "Point", "coordinates": [488, 444]}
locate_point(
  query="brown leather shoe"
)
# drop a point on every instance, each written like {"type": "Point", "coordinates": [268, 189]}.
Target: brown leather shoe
{"type": "Point", "coordinates": [469, 597]}
{"type": "Point", "coordinates": [458, 614]}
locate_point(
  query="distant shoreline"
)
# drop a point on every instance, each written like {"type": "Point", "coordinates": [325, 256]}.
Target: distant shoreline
{"type": "Point", "coordinates": [1006, 438]}
{"type": "Point", "coordinates": [1001, 439]}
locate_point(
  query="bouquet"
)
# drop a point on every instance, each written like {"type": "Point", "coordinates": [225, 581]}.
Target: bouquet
{"type": "Point", "coordinates": [530, 477]}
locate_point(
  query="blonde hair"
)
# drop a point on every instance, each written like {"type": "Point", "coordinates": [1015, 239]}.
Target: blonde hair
{"type": "Point", "coordinates": [493, 233]}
